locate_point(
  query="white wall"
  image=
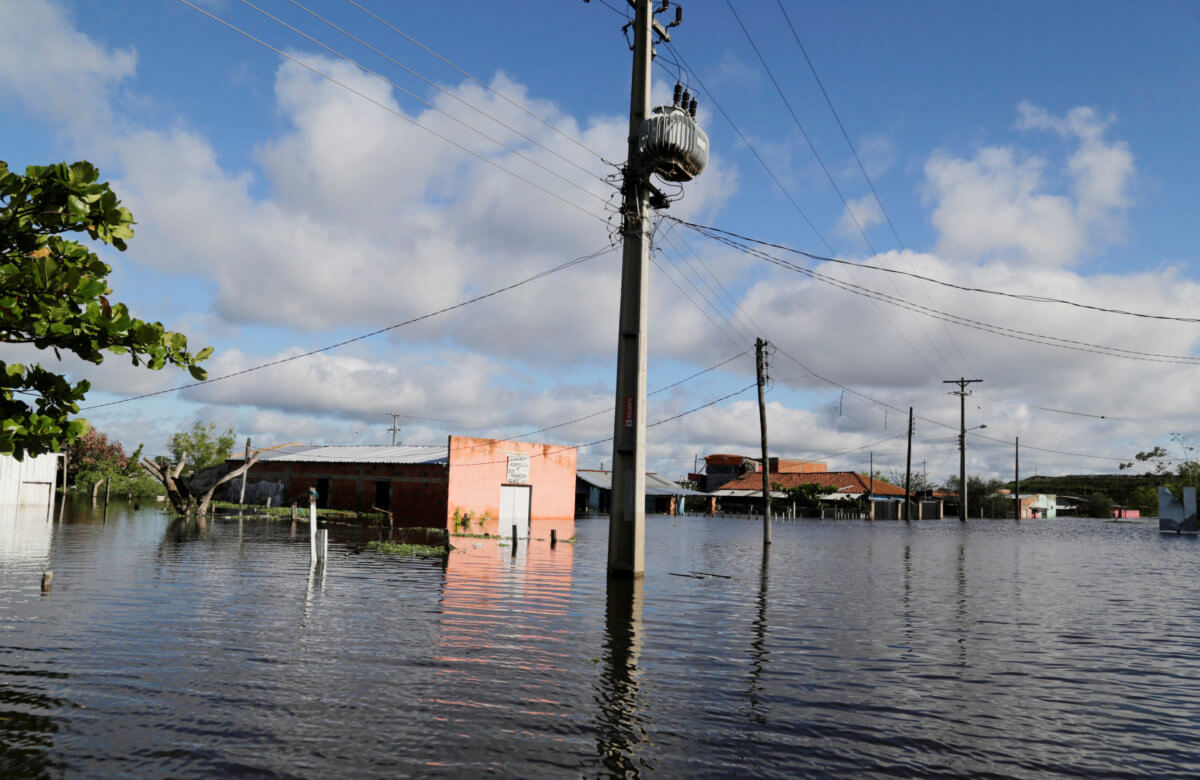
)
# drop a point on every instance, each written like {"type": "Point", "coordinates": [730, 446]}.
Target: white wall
{"type": "Point", "coordinates": [24, 482]}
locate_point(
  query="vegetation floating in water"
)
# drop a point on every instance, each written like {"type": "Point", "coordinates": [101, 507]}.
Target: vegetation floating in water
{"type": "Point", "coordinates": [402, 548]}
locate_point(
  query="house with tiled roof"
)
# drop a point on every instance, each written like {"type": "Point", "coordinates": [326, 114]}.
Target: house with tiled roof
{"type": "Point", "coordinates": [840, 490]}
{"type": "Point", "coordinates": [839, 485]}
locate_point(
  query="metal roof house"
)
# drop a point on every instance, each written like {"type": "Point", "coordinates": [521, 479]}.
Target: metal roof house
{"type": "Point", "coordinates": [494, 483]}
{"type": "Point", "coordinates": [593, 492]}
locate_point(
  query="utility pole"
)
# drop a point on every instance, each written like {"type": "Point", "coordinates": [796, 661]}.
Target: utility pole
{"type": "Point", "coordinates": [908, 469]}
{"type": "Point", "coordinates": [626, 525]}
{"type": "Point", "coordinates": [871, 489]}
{"type": "Point", "coordinates": [962, 394]}
{"type": "Point", "coordinates": [1017, 470]}
{"type": "Point", "coordinates": [760, 363]}
{"type": "Point", "coordinates": [395, 427]}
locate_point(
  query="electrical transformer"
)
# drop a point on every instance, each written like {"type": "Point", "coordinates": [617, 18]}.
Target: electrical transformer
{"type": "Point", "coordinates": [671, 144]}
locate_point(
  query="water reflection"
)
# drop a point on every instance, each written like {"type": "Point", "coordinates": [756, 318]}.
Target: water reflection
{"type": "Point", "coordinates": [25, 532]}
{"type": "Point", "coordinates": [758, 645]}
{"type": "Point", "coordinates": [620, 727]}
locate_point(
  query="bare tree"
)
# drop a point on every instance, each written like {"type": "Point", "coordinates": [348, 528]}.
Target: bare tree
{"type": "Point", "coordinates": [194, 492]}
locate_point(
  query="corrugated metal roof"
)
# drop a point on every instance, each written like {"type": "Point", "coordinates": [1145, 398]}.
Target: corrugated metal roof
{"type": "Point", "coordinates": [384, 453]}
{"type": "Point", "coordinates": [655, 485]}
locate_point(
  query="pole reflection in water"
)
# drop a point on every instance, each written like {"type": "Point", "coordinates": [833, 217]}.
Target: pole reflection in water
{"type": "Point", "coordinates": [758, 651]}
{"type": "Point", "coordinates": [620, 728]}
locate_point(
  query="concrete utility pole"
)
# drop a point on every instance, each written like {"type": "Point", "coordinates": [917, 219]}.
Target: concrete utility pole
{"type": "Point", "coordinates": [760, 363]}
{"type": "Point", "coordinates": [962, 394]}
{"type": "Point", "coordinates": [1017, 470]}
{"type": "Point", "coordinates": [908, 469]}
{"type": "Point", "coordinates": [395, 428]}
{"type": "Point", "coordinates": [626, 525]}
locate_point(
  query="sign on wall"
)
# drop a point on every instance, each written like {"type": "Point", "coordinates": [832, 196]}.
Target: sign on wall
{"type": "Point", "coordinates": [518, 470]}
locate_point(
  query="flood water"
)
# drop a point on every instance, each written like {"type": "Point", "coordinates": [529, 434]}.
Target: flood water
{"type": "Point", "coordinates": [1053, 646]}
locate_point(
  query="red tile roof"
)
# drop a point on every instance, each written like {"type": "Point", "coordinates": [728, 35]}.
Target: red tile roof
{"type": "Point", "coordinates": [834, 481]}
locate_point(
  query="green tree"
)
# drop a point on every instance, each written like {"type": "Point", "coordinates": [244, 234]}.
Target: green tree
{"type": "Point", "coordinates": [981, 495]}
{"type": "Point", "coordinates": [94, 457]}
{"type": "Point", "coordinates": [807, 497]}
{"type": "Point", "coordinates": [203, 445]}
{"type": "Point", "coordinates": [1099, 505]}
{"type": "Point", "coordinates": [54, 295]}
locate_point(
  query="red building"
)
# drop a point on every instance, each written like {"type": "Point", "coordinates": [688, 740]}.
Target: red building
{"type": "Point", "coordinates": [482, 485]}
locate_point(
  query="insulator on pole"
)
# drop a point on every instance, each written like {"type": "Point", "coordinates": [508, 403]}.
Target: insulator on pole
{"type": "Point", "coordinates": [678, 93]}
{"type": "Point", "coordinates": [692, 108]}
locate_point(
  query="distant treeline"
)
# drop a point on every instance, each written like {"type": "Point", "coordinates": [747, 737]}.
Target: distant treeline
{"type": "Point", "coordinates": [1135, 491]}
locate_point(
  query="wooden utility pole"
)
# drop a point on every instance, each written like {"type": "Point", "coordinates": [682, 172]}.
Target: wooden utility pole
{"type": "Point", "coordinates": [1017, 470]}
{"type": "Point", "coordinates": [962, 394]}
{"type": "Point", "coordinates": [395, 428]}
{"type": "Point", "coordinates": [760, 364]}
{"type": "Point", "coordinates": [626, 525]}
{"type": "Point", "coordinates": [242, 495]}
{"type": "Point", "coordinates": [871, 489]}
{"type": "Point", "coordinates": [908, 469]}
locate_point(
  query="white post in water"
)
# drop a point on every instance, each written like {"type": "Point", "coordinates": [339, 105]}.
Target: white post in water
{"type": "Point", "coordinates": [322, 545]}
{"type": "Point", "coordinates": [312, 525]}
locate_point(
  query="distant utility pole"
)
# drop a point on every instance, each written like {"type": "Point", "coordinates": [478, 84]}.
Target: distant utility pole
{"type": "Point", "coordinates": [395, 427]}
{"type": "Point", "coordinates": [1017, 470]}
{"type": "Point", "coordinates": [760, 363]}
{"type": "Point", "coordinates": [962, 394]}
{"type": "Point", "coordinates": [908, 469]}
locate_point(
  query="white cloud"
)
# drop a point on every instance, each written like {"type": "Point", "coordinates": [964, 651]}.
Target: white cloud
{"type": "Point", "coordinates": [55, 69]}
{"type": "Point", "coordinates": [860, 215]}
{"type": "Point", "coordinates": [997, 204]}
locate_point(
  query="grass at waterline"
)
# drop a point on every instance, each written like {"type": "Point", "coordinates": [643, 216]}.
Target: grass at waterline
{"type": "Point", "coordinates": [403, 548]}
{"type": "Point", "coordinates": [286, 511]}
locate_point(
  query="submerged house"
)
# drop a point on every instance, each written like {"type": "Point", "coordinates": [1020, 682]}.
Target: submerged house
{"type": "Point", "coordinates": [720, 469]}
{"type": "Point", "coordinates": [30, 481]}
{"type": "Point", "coordinates": [482, 485]}
{"type": "Point", "coordinates": [593, 493]}
{"type": "Point", "coordinates": [836, 487]}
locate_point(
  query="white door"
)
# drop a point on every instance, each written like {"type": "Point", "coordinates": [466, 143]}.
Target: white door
{"type": "Point", "coordinates": [514, 510]}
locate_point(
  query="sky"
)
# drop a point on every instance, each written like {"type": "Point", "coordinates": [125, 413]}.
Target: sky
{"type": "Point", "coordinates": [384, 161]}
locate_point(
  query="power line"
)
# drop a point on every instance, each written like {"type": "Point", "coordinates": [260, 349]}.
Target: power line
{"type": "Point", "coordinates": [1000, 330]}
{"type": "Point", "coordinates": [461, 304]}
{"type": "Point", "coordinates": [429, 105]}
{"type": "Point", "coordinates": [434, 449]}
{"type": "Point", "coordinates": [941, 424]}
{"type": "Point", "coordinates": [704, 229]}
{"type": "Point", "coordinates": [853, 150]}
{"type": "Point", "coordinates": [391, 110]}
{"type": "Point", "coordinates": [500, 95]}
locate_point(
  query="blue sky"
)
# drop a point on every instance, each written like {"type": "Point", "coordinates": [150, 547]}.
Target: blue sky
{"type": "Point", "coordinates": [1030, 147]}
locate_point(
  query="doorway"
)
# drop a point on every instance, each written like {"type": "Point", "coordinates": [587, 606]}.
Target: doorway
{"type": "Point", "coordinates": [515, 501]}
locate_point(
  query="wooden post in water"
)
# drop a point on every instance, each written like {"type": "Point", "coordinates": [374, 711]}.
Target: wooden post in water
{"type": "Point", "coordinates": [514, 540]}
{"type": "Point", "coordinates": [553, 537]}
{"type": "Point", "coordinates": [107, 487]}
{"type": "Point", "coordinates": [295, 513]}
{"type": "Point", "coordinates": [46, 577]}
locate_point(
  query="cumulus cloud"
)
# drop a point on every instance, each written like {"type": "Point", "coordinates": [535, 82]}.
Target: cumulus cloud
{"type": "Point", "coordinates": [859, 216]}
{"type": "Point", "coordinates": [999, 203]}
{"type": "Point", "coordinates": [58, 71]}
